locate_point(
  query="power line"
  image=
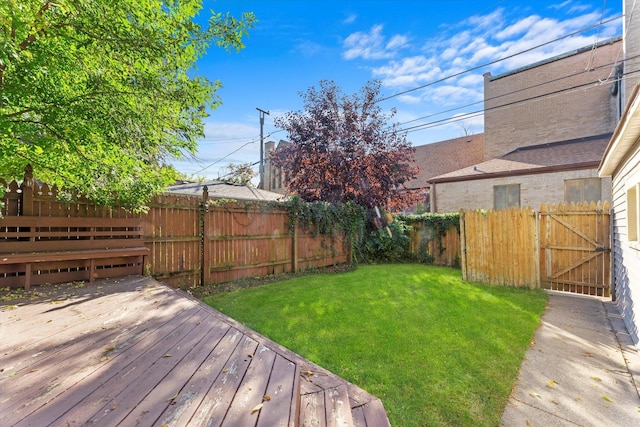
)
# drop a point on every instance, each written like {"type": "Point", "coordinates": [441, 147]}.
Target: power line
{"type": "Point", "coordinates": [477, 113]}
{"type": "Point", "coordinates": [234, 151]}
{"type": "Point", "coordinates": [517, 91]}
{"type": "Point", "coordinates": [499, 60]}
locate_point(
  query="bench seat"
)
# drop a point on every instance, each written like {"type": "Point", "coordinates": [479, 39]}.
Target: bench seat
{"type": "Point", "coordinates": [38, 250]}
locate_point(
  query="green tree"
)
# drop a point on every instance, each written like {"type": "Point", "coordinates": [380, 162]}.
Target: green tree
{"type": "Point", "coordinates": [241, 173]}
{"type": "Point", "coordinates": [99, 95]}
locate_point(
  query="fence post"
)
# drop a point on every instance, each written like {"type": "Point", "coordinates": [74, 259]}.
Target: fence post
{"type": "Point", "coordinates": [294, 254]}
{"type": "Point", "coordinates": [463, 246]}
{"type": "Point", "coordinates": [204, 246]}
{"type": "Point", "coordinates": [536, 242]}
{"type": "Point", "coordinates": [26, 205]}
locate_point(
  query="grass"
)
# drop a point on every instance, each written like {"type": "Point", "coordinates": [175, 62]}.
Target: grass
{"type": "Point", "coordinates": [436, 350]}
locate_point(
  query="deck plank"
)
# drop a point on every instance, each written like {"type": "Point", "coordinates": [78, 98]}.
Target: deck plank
{"type": "Point", "coordinates": [120, 391]}
{"type": "Point", "coordinates": [90, 333]}
{"type": "Point", "coordinates": [283, 389]}
{"type": "Point", "coordinates": [214, 406]}
{"type": "Point", "coordinates": [358, 417]}
{"type": "Point", "coordinates": [243, 410]}
{"type": "Point", "coordinates": [148, 373]}
{"type": "Point", "coordinates": [374, 414]}
{"type": "Point", "coordinates": [165, 394]}
{"type": "Point", "coordinates": [312, 410]}
{"type": "Point", "coordinates": [194, 391]}
{"type": "Point", "coordinates": [95, 375]}
{"type": "Point", "coordinates": [338, 408]}
{"type": "Point", "coordinates": [97, 356]}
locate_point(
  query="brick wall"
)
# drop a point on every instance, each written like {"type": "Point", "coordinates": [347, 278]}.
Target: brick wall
{"type": "Point", "coordinates": [534, 190]}
{"type": "Point", "coordinates": [631, 30]}
{"type": "Point", "coordinates": [586, 111]}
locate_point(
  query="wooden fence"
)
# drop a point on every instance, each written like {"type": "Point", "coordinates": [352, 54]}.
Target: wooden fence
{"type": "Point", "coordinates": [192, 242]}
{"type": "Point", "coordinates": [425, 243]}
{"type": "Point", "coordinates": [562, 247]}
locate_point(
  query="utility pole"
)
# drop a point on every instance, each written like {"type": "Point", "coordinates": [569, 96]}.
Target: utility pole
{"type": "Point", "coordinates": [261, 168]}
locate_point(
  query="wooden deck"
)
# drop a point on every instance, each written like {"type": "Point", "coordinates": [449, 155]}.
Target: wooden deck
{"type": "Point", "coordinates": [134, 351]}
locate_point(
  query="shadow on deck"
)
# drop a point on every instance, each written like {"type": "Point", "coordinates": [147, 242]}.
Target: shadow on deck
{"type": "Point", "coordinates": [134, 351]}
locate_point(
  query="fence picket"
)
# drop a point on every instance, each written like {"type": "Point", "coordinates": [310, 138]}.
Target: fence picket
{"type": "Point", "coordinates": [190, 245]}
{"type": "Point", "coordinates": [563, 247]}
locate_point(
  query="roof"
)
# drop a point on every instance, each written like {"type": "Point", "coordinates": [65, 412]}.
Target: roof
{"type": "Point", "coordinates": [624, 136]}
{"type": "Point", "coordinates": [580, 153]}
{"type": "Point", "coordinates": [225, 190]}
{"type": "Point", "coordinates": [446, 156]}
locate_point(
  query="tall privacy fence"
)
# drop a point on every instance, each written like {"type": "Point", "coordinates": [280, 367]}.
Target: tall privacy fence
{"type": "Point", "coordinates": [189, 241]}
{"type": "Point", "coordinates": [433, 241]}
{"type": "Point", "coordinates": [563, 247]}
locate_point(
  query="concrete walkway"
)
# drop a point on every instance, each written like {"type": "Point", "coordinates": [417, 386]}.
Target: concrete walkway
{"type": "Point", "coordinates": [582, 368]}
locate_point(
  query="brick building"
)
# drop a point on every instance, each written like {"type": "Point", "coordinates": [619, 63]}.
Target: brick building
{"type": "Point", "coordinates": [274, 178]}
{"type": "Point", "coordinates": [443, 157]}
{"type": "Point", "coordinates": [546, 128]}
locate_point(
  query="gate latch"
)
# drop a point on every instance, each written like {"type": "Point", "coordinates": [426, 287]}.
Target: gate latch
{"type": "Point", "coordinates": [602, 249]}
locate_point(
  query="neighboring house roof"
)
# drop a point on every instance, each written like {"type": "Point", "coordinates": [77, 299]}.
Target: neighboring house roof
{"type": "Point", "coordinates": [441, 157]}
{"type": "Point", "coordinates": [580, 153]}
{"type": "Point", "coordinates": [225, 190]}
{"type": "Point", "coordinates": [624, 137]}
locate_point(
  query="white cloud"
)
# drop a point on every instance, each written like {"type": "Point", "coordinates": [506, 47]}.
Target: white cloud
{"type": "Point", "coordinates": [225, 130]}
{"type": "Point", "coordinates": [452, 95]}
{"type": "Point", "coordinates": [560, 5]}
{"type": "Point", "coordinates": [408, 72]}
{"type": "Point", "coordinates": [409, 99]}
{"type": "Point", "coordinates": [519, 27]}
{"type": "Point", "coordinates": [471, 80]}
{"type": "Point", "coordinates": [372, 45]}
{"type": "Point", "coordinates": [490, 21]}
{"type": "Point", "coordinates": [397, 42]}
{"type": "Point", "coordinates": [350, 19]}
{"type": "Point", "coordinates": [307, 48]}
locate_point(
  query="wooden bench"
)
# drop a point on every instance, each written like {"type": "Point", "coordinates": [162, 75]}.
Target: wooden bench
{"type": "Point", "coordinates": [38, 250]}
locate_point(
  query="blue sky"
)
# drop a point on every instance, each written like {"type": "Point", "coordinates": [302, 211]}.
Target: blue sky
{"type": "Point", "coordinates": [404, 44]}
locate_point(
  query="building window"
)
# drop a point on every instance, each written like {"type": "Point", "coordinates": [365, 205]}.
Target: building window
{"type": "Point", "coordinates": [633, 207]}
{"type": "Point", "coordinates": [505, 196]}
{"type": "Point", "coordinates": [582, 190]}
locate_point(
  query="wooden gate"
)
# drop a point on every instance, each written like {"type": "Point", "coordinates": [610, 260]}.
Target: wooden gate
{"type": "Point", "coordinates": [563, 247]}
{"type": "Point", "coordinates": [575, 250]}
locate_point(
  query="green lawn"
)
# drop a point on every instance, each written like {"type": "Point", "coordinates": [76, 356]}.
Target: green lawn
{"type": "Point", "coordinates": [434, 349]}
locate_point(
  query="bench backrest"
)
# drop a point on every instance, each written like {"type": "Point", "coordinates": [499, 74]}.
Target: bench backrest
{"type": "Point", "coordinates": [23, 234]}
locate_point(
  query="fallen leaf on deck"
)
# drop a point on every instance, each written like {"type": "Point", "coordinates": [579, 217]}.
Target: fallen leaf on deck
{"type": "Point", "coordinates": [308, 373]}
{"type": "Point", "coordinates": [256, 408]}
{"type": "Point", "coordinates": [109, 348]}
{"type": "Point", "coordinates": [167, 355]}
{"type": "Point", "coordinates": [596, 379]}
{"type": "Point", "coordinates": [608, 399]}
{"type": "Point", "coordinates": [266, 397]}
{"type": "Point", "coordinates": [224, 371]}
{"type": "Point", "coordinates": [173, 397]}
{"type": "Point", "coordinates": [551, 384]}
{"type": "Point", "coordinates": [104, 358]}
{"type": "Point", "coordinates": [532, 394]}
